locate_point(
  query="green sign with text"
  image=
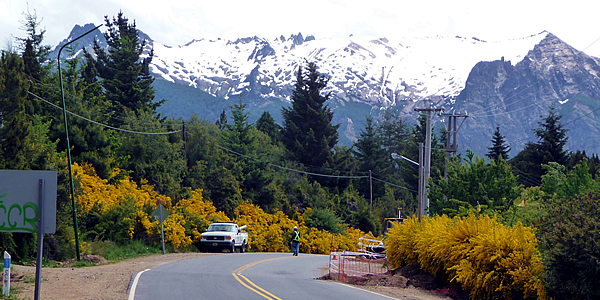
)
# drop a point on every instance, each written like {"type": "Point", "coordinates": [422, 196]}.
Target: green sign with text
{"type": "Point", "coordinates": [19, 199]}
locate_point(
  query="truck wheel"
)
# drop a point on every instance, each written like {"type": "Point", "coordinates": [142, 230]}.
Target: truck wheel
{"type": "Point", "coordinates": [232, 247]}
{"type": "Point", "coordinates": [243, 249]}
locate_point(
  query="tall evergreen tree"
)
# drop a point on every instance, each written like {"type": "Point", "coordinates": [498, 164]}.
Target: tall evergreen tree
{"type": "Point", "coordinates": [499, 147]}
{"type": "Point", "coordinates": [90, 143]}
{"type": "Point", "coordinates": [552, 139]}
{"type": "Point", "coordinates": [125, 73]}
{"type": "Point", "coordinates": [14, 119]}
{"type": "Point", "coordinates": [35, 37]}
{"type": "Point", "coordinates": [307, 131]}
{"type": "Point", "coordinates": [267, 124]}
{"type": "Point", "coordinates": [222, 121]}
{"type": "Point", "coordinates": [550, 148]}
{"type": "Point", "coordinates": [372, 157]}
{"type": "Point", "coordinates": [238, 136]}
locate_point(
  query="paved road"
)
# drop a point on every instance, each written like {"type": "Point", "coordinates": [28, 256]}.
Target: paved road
{"type": "Point", "coordinates": [245, 276]}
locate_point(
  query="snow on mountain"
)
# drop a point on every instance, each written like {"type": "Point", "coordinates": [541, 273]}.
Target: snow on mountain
{"type": "Point", "coordinates": [378, 71]}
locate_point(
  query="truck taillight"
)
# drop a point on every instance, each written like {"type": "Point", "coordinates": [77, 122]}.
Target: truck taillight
{"type": "Point", "coordinates": [228, 238]}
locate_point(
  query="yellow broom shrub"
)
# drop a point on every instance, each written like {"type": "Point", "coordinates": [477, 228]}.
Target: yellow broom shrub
{"type": "Point", "coordinates": [190, 217]}
{"type": "Point", "coordinates": [400, 243]}
{"type": "Point", "coordinates": [486, 257]}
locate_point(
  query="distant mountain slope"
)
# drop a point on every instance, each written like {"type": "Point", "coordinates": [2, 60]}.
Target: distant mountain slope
{"type": "Point", "coordinates": [514, 96]}
{"type": "Point", "coordinates": [510, 83]}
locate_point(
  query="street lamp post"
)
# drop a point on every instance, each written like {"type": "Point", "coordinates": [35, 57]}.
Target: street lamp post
{"type": "Point", "coordinates": [62, 92]}
{"type": "Point", "coordinates": [421, 210]}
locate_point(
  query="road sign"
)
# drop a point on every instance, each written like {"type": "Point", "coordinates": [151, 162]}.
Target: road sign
{"type": "Point", "coordinates": [156, 213]}
{"type": "Point", "coordinates": [19, 199]}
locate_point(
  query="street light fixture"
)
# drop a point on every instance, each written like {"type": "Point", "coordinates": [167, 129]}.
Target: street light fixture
{"type": "Point", "coordinates": [422, 207]}
{"type": "Point", "coordinates": [62, 92]}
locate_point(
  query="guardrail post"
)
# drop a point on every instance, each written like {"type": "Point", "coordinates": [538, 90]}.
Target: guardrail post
{"type": "Point", "coordinates": [6, 279]}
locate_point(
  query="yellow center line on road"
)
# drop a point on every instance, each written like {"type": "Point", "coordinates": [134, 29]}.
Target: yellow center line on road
{"type": "Point", "coordinates": [264, 293]}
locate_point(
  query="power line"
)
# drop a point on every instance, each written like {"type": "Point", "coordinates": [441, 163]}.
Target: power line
{"type": "Point", "coordinates": [411, 190]}
{"type": "Point", "coordinates": [119, 117]}
{"type": "Point", "coordinates": [104, 125]}
{"type": "Point", "coordinates": [290, 169]}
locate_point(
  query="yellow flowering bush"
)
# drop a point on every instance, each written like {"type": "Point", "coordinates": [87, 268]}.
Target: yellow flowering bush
{"type": "Point", "coordinates": [272, 232]}
{"type": "Point", "coordinates": [132, 204]}
{"type": "Point", "coordinates": [484, 256]}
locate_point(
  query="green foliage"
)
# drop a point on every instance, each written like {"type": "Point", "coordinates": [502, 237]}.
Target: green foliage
{"type": "Point", "coordinates": [15, 121]}
{"type": "Point", "coordinates": [324, 219]}
{"type": "Point", "coordinates": [307, 131]}
{"type": "Point", "coordinates": [550, 148]}
{"type": "Point", "coordinates": [115, 252]}
{"type": "Point", "coordinates": [499, 147]}
{"type": "Point", "coordinates": [83, 264]}
{"type": "Point", "coordinates": [111, 225]}
{"type": "Point", "coordinates": [372, 157]}
{"type": "Point", "coordinates": [152, 157]}
{"type": "Point", "coordinates": [267, 124]}
{"type": "Point", "coordinates": [474, 185]}
{"type": "Point", "coordinates": [125, 74]}
{"type": "Point", "coordinates": [569, 240]}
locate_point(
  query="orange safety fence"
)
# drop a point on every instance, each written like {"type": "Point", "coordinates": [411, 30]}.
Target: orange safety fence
{"type": "Point", "coordinates": [356, 266]}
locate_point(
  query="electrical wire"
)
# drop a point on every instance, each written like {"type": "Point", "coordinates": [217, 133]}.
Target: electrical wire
{"type": "Point", "coordinates": [119, 117]}
{"type": "Point", "coordinates": [100, 124]}
{"type": "Point", "coordinates": [411, 190]}
{"type": "Point", "coordinates": [290, 169]}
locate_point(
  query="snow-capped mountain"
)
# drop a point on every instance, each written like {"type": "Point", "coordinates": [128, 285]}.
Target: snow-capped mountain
{"type": "Point", "coordinates": [510, 83]}
{"type": "Point", "coordinates": [378, 71]}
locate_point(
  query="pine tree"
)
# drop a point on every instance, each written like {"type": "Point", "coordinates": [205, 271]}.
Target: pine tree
{"type": "Point", "coordinates": [307, 131]}
{"type": "Point", "coordinates": [550, 148]}
{"type": "Point", "coordinates": [14, 120]}
{"type": "Point", "coordinates": [372, 157]}
{"type": "Point", "coordinates": [125, 74]}
{"type": "Point", "coordinates": [222, 121]}
{"type": "Point", "coordinates": [238, 136]}
{"type": "Point", "coordinates": [267, 124]}
{"type": "Point", "coordinates": [552, 139]}
{"type": "Point", "coordinates": [499, 147]}
{"type": "Point", "coordinates": [35, 37]}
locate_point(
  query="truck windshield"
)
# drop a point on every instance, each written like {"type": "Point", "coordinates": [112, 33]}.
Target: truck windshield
{"type": "Point", "coordinates": [221, 228]}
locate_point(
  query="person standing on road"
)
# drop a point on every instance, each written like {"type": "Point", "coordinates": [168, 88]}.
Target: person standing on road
{"type": "Point", "coordinates": [295, 241]}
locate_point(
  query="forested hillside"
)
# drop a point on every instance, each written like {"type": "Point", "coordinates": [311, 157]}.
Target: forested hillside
{"type": "Point", "coordinates": [128, 159]}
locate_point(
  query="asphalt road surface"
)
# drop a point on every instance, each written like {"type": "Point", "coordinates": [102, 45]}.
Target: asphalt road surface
{"type": "Point", "coordinates": [247, 276]}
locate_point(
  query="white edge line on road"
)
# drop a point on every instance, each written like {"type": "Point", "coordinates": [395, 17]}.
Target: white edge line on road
{"type": "Point", "coordinates": [134, 284]}
{"type": "Point", "coordinates": [378, 294]}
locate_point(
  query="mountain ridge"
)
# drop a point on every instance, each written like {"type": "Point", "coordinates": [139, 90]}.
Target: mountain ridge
{"type": "Point", "coordinates": [459, 74]}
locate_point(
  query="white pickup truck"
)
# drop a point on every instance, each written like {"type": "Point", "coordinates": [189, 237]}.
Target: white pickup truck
{"type": "Point", "coordinates": [221, 236]}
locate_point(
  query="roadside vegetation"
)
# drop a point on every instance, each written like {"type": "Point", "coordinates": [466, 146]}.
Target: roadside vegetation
{"type": "Point", "coordinates": [500, 227]}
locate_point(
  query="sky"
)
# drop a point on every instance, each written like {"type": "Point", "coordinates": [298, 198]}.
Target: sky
{"type": "Point", "coordinates": [177, 22]}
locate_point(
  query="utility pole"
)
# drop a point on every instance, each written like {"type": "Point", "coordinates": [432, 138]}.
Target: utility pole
{"type": "Point", "coordinates": [371, 188]}
{"type": "Point", "coordinates": [184, 138]}
{"type": "Point", "coordinates": [427, 154]}
{"type": "Point", "coordinates": [421, 207]}
{"type": "Point", "coordinates": [451, 136]}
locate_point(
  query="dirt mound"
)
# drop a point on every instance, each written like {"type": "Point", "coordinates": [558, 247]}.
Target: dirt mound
{"type": "Point", "coordinates": [409, 278]}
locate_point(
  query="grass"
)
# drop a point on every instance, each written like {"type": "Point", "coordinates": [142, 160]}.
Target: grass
{"type": "Point", "coordinates": [83, 263]}
{"type": "Point", "coordinates": [115, 252]}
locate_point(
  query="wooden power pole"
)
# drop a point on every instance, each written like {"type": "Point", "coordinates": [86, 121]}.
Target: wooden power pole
{"type": "Point", "coordinates": [427, 154]}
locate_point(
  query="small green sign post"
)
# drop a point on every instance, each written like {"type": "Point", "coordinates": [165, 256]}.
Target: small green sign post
{"type": "Point", "coordinates": [161, 214]}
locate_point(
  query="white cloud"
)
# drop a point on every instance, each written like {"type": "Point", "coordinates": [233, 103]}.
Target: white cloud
{"type": "Point", "coordinates": [177, 22]}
